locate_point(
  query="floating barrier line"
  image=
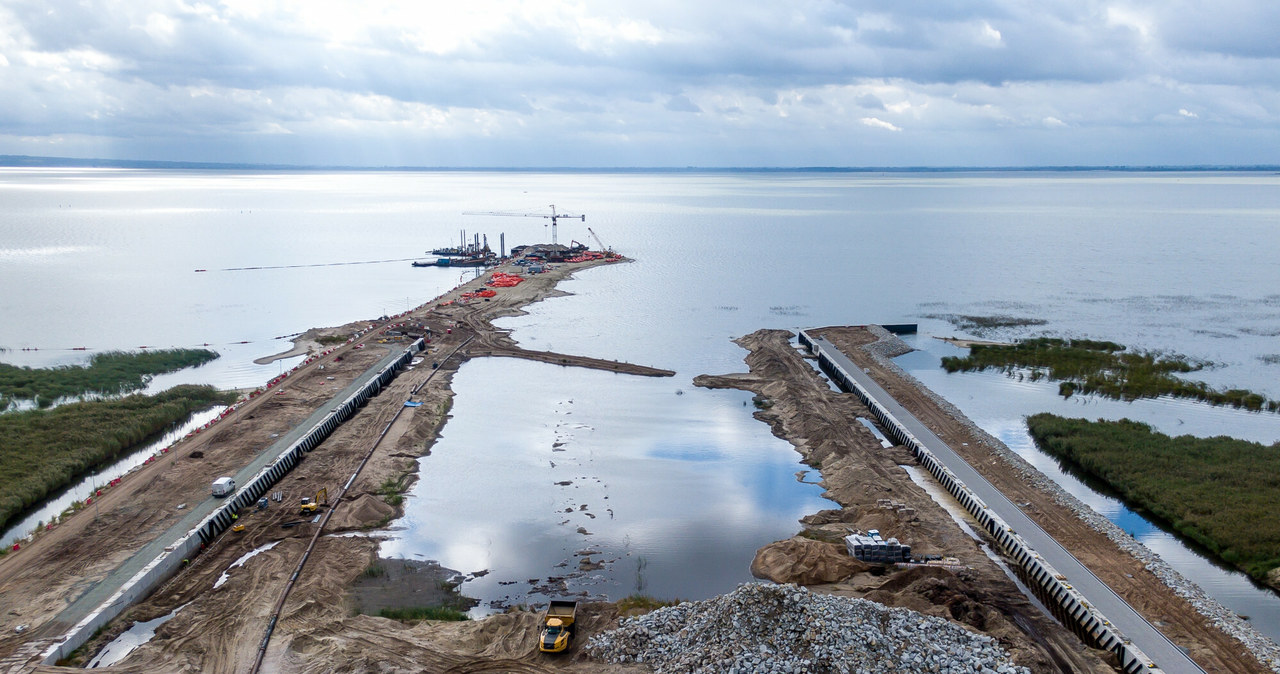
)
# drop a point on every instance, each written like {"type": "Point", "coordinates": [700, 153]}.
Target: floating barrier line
{"type": "Point", "coordinates": [319, 264]}
{"type": "Point", "coordinates": [141, 347]}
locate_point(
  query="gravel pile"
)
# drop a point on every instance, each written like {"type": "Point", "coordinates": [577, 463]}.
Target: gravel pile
{"type": "Point", "coordinates": [890, 346]}
{"type": "Point", "coordinates": [787, 629]}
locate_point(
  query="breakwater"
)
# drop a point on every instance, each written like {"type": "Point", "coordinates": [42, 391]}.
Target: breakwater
{"type": "Point", "coordinates": [1052, 586]}
{"type": "Point", "coordinates": [177, 553]}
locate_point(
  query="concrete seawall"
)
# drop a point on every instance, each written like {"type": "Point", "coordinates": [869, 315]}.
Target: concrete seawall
{"type": "Point", "coordinates": [170, 560]}
{"type": "Point", "coordinates": [1068, 603]}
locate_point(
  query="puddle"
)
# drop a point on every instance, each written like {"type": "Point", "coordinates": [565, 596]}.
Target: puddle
{"type": "Point", "coordinates": [130, 639]}
{"type": "Point", "coordinates": [884, 442]}
{"type": "Point", "coordinates": [391, 585]}
{"type": "Point", "coordinates": [226, 575]}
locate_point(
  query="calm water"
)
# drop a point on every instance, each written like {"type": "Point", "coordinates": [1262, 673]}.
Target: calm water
{"type": "Point", "coordinates": [1181, 261]}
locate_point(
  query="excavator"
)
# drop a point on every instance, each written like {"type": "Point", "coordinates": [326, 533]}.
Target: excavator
{"type": "Point", "coordinates": [311, 505]}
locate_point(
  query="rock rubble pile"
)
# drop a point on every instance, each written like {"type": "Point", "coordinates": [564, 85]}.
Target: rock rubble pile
{"type": "Point", "coordinates": [787, 629]}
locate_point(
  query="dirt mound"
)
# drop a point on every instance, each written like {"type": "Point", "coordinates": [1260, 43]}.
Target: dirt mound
{"type": "Point", "coordinates": [804, 561]}
{"type": "Point", "coordinates": [364, 510]}
{"type": "Point", "coordinates": [506, 635]}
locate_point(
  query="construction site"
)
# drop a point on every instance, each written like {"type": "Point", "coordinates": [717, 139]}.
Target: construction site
{"type": "Point", "coordinates": [266, 578]}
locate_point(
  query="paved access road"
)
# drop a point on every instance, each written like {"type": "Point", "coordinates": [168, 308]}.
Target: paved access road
{"type": "Point", "coordinates": [1157, 646]}
{"type": "Point", "coordinates": [203, 503]}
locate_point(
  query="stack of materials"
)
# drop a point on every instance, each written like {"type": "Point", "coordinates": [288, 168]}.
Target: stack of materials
{"type": "Point", "coordinates": [870, 547]}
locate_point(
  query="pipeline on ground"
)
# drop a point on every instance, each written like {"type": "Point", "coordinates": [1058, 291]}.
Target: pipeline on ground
{"type": "Point", "coordinates": [297, 571]}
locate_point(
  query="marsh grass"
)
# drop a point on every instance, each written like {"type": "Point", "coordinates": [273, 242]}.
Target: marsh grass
{"type": "Point", "coordinates": [1219, 492]}
{"type": "Point", "coordinates": [642, 603]}
{"type": "Point", "coordinates": [392, 489]}
{"type": "Point", "coordinates": [1105, 368]}
{"type": "Point", "coordinates": [46, 450]}
{"type": "Point", "coordinates": [107, 374]}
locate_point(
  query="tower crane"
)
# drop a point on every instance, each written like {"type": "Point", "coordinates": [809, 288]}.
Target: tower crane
{"type": "Point", "coordinates": [554, 217]}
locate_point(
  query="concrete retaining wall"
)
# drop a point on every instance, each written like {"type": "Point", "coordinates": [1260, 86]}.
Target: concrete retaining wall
{"type": "Point", "coordinates": [1050, 586]}
{"type": "Point", "coordinates": [170, 561]}
{"type": "Point", "coordinates": [269, 475]}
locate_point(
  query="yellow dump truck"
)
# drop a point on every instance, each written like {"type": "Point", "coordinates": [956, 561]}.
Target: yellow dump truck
{"type": "Point", "coordinates": [558, 626]}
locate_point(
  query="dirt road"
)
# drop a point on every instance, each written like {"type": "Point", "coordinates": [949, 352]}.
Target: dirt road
{"type": "Point", "coordinates": [1212, 649]}
{"type": "Point", "coordinates": [218, 629]}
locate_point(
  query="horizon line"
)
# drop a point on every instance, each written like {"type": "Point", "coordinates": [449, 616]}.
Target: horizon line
{"type": "Point", "coordinates": [39, 161]}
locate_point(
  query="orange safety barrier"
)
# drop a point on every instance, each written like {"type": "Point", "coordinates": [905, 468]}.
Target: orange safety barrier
{"type": "Point", "coordinates": [504, 280]}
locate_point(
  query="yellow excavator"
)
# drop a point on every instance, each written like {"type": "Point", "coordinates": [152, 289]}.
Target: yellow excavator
{"type": "Point", "coordinates": [311, 505]}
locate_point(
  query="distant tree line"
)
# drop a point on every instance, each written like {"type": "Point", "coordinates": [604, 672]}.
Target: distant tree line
{"type": "Point", "coordinates": [1105, 368]}
{"type": "Point", "coordinates": [1219, 492]}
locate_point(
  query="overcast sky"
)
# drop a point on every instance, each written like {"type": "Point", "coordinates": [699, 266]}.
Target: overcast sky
{"type": "Point", "coordinates": [644, 82]}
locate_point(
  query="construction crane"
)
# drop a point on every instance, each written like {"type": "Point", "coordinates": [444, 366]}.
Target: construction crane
{"type": "Point", "coordinates": [598, 241]}
{"type": "Point", "coordinates": [554, 217]}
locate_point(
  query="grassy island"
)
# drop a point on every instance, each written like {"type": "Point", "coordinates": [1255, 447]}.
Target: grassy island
{"type": "Point", "coordinates": [1106, 368]}
{"type": "Point", "coordinates": [1220, 492]}
{"type": "Point", "coordinates": [46, 450]}
{"type": "Point", "coordinates": [986, 325]}
{"type": "Point", "coordinates": [109, 373]}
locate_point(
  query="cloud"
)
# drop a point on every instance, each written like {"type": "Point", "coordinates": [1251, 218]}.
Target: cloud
{"type": "Point", "coordinates": [869, 101]}
{"type": "Point", "coordinates": [879, 124]}
{"type": "Point", "coordinates": [772, 83]}
{"type": "Point", "coordinates": [681, 103]}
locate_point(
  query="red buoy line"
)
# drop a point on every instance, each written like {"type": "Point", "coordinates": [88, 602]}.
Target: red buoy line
{"type": "Point", "coordinates": [297, 571]}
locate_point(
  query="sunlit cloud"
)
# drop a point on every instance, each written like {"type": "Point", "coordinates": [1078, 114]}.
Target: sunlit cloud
{"type": "Point", "coordinates": [879, 124]}
{"type": "Point", "coordinates": [503, 82]}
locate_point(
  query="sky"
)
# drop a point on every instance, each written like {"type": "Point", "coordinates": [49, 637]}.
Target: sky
{"type": "Point", "coordinates": [644, 83]}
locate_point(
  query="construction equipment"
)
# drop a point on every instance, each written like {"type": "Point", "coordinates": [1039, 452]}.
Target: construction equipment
{"type": "Point", "coordinates": [558, 626]}
{"type": "Point", "coordinates": [598, 241]}
{"type": "Point", "coordinates": [310, 505]}
{"type": "Point", "coordinates": [554, 217]}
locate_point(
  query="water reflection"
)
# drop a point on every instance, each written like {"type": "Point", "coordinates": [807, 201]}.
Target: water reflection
{"type": "Point", "coordinates": [545, 473]}
{"type": "Point", "coordinates": [998, 404]}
